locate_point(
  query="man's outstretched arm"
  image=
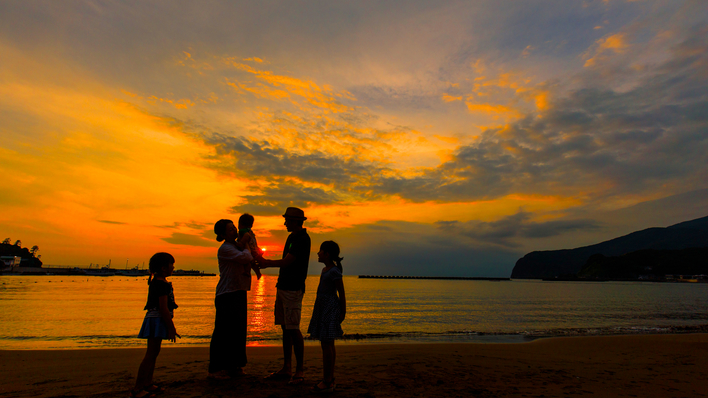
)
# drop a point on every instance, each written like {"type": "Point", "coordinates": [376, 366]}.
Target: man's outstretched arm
{"type": "Point", "coordinates": [282, 263]}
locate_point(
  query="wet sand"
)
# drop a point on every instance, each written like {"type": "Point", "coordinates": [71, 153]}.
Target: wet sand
{"type": "Point", "coordinates": [606, 366]}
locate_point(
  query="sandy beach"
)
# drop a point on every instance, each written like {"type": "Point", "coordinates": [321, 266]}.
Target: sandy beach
{"type": "Point", "coordinates": [607, 366]}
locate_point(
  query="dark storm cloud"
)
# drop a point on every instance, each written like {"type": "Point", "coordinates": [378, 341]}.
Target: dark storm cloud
{"type": "Point", "coordinates": [261, 159]}
{"type": "Point", "coordinates": [275, 199]}
{"type": "Point", "coordinates": [503, 232]}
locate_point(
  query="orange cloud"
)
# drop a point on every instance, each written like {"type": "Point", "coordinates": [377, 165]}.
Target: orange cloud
{"type": "Point", "coordinates": [179, 104]}
{"type": "Point", "coordinates": [259, 90]}
{"type": "Point", "coordinates": [510, 90]}
{"type": "Point", "coordinates": [188, 61]}
{"type": "Point", "coordinates": [276, 85]}
{"type": "Point", "coordinates": [541, 100]}
{"type": "Point", "coordinates": [450, 98]}
{"type": "Point", "coordinates": [539, 96]}
{"type": "Point", "coordinates": [494, 110]}
{"type": "Point", "coordinates": [616, 43]}
{"type": "Point", "coordinates": [527, 51]}
{"type": "Point", "coordinates": [478, 66]}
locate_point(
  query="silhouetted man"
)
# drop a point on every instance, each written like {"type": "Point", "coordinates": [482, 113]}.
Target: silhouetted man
{"type": "Point", "coordinates": [290, 290]}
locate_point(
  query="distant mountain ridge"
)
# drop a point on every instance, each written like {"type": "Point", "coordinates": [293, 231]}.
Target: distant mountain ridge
{"type": "Point", "coordinates": [553, 263]}
{"type": "Point", "coordinates": [647, 264]}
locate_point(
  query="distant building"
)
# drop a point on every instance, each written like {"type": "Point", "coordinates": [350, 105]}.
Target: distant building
{"type": "Point", "coordinates": [11, 261]}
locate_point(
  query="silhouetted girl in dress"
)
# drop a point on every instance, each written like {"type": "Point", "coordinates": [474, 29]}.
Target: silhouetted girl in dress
{"type": "Point", "coordinates": [329, 311]}
{"type": "Point", "coordinates": [157, 324]}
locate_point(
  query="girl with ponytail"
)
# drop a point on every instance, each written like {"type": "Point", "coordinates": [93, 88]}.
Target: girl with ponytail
{"type": "Point", "coordinates": [157, 324]}
{"type": "Point", "coordinates": [329, 312]}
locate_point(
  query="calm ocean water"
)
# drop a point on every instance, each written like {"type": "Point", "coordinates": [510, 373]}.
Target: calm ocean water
{"type": "Point", "coordinates": [65, 312]}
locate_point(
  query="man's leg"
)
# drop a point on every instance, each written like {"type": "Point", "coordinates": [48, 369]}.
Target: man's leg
{"type": "Point", "coordinates": [279, 314]}
{"type": "Point", "coordinates": [287, 351]}
{"type": "Point", "coordinates": [293, 313]}
{"type": "Point", "coordinates": [298, 343]}
{"type": "Point", "coordinates": [287, 314]}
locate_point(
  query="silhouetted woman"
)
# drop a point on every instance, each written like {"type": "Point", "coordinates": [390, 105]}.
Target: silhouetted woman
{"type": "Point", "coordinates": [227, 351]}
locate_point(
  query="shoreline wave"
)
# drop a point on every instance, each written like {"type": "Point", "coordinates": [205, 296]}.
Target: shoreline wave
{"type": "Point", "coordinates": [461, 336]}
{"type": "Point", "coordinates": [534, 334]}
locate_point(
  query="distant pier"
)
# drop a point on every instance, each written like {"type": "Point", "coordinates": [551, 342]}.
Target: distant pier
{"type": "Point", "coordinates": [455, 278]}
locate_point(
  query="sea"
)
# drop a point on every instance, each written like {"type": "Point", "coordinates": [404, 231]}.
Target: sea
{"type": "Point", "coordinates": [87, 312]}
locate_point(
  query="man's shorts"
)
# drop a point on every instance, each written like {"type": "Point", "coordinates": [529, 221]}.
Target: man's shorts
{"type": "Point", "coordinates": [288, 307]}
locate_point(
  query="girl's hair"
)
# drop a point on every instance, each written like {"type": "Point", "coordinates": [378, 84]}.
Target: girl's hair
{"type": "Point", "coordinates": [220, 228]}
{"type": "Point", "coordinates": [159, 261]}
{"type": "Point", "coordinates": [332, 248]}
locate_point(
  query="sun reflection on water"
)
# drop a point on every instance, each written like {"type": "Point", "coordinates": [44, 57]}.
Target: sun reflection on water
{"type": "Point", "coordinates": [259, 317]}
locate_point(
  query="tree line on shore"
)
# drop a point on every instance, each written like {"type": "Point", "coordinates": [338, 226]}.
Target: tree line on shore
{"type": "Point", "coordinates": [29, 256]}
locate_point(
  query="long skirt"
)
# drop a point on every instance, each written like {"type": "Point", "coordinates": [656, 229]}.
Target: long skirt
{"type": "Point", "coordinates": [227, 350]}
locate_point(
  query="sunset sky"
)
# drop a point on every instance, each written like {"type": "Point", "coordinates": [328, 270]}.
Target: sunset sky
{"type": "Point", "coordinates": [427, 138]}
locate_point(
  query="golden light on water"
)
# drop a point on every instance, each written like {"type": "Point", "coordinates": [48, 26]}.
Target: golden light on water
{"type": "Point", "coordinates": [107, 312]}
{"type": "Point", "coordinates": [259, 318]}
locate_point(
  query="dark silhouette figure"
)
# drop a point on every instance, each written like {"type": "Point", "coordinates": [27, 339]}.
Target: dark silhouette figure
{"type": "Point", "coordinates": [227, 351]}
{"type": "Point", "coordinates": [290, 290]}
